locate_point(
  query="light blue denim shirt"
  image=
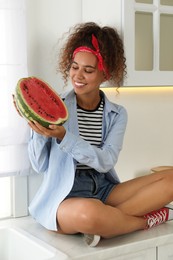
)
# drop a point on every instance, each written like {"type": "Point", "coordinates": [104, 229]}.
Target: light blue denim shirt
{"type": "Point", "coordinates": [57, 160]}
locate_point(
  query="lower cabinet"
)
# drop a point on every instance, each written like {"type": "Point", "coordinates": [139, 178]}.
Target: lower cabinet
{"type": "Point", "coordinates": [149, 254]}
{"type": "Point", "coordinates": [165, 252]}
{"type": "Point", "coordinates": [162, 252]}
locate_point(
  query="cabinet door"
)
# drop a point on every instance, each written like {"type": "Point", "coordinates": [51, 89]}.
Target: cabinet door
{"type": "Point", "coordinates": [165, 252]}
{"type": "Point", "coordinates": [148, 38]}
{"type": "Point", "coordinates": [149, 254]}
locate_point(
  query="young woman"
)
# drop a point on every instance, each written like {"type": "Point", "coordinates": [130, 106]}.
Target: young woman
{"type": "Point", "coordinates": [81, 191]}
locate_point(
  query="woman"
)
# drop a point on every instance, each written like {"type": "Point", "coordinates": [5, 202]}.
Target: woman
{"type": "Point", "coordinates": [81, 191]}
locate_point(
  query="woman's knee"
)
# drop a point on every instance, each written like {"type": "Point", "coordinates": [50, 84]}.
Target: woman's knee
{"type": "Point", "coordinates": [79, 215]}
{"type": "Point", "coordinates": [87, 213]}
{"type": "Point", "coordinates": [167, 176]}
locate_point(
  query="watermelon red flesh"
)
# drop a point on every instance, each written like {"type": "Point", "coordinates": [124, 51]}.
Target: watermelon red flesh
{"type": "Point", "coordinates": [38, 96]}
{"type": "Point", "coordinates": [36, 100]}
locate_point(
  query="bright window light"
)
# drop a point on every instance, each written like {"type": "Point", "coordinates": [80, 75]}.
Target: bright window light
{"type": "Point", "coordinates": [5, 197]}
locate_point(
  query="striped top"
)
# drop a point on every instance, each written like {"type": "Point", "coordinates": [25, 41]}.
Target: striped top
{"type": "Point", "coordinates": [90, 126]}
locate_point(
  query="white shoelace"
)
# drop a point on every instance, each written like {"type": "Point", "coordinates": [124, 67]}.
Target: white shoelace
{"type": "Point", "coordinates": [157, 218]}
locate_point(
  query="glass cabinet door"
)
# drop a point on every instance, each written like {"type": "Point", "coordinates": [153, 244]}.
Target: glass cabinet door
{"type": "Point", "coordinates": [148, 39]}
{"type": "Point", "coordinates": [166, 42]}
{"type": "Point", "coordinates": [166, 2]}
{"type": "Point", "coordinates": [143, 41]}
{"type": "Point", "coordinates": [145, 1]}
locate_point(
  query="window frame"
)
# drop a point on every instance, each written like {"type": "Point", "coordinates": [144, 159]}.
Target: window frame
{"type": "Point", "coordinates": [18, 186]}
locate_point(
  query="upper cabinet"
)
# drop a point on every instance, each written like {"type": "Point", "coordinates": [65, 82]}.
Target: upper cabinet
{"type": "Point", "coordinates": [147, 27]}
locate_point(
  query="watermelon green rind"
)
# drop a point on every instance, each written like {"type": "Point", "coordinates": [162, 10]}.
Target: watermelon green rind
{"type": "Point", "coordinates": [23, 109]}
{"type": "Point", "coordinates": [29, 113]}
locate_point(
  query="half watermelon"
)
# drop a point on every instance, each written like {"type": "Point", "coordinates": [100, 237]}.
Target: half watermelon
{"type": "Point", "coordinates": [36, 100]}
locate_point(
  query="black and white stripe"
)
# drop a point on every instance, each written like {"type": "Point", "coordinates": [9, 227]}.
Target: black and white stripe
{"type": "Point", "coordinates": [90, 126]}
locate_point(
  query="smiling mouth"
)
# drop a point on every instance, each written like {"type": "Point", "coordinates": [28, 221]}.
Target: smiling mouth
{"type": "Point", "coordinates": [79, 85]}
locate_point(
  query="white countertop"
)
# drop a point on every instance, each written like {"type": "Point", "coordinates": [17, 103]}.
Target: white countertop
{"type": "Point", "coordinates": [75, 248]}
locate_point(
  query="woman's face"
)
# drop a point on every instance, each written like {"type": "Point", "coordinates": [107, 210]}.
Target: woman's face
{"type": "Point", "coordinates": [84, 73]}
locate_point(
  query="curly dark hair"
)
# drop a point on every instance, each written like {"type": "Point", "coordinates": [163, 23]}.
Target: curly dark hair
{"type": "Point", "coordinates": [110, 44]}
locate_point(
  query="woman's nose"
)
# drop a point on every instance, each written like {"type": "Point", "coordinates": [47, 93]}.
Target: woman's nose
{"type": "Point", "coordinates": [79, 74]}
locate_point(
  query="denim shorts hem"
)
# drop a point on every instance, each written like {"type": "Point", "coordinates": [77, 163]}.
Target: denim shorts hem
{"type": "Point", "coordinates": [91, 184]}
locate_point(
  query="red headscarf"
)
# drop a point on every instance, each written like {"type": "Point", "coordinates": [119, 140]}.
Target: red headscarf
{"type": "Point", "coordinates": [96, 52]}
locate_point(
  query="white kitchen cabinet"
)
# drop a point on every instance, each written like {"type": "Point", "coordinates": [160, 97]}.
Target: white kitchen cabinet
{"type": "Point", "coordinates": [148, 38]}
{"type": "Point", "coordinates": [165, 252]}
{"type": "Point", "coordinates": [161, 252]}
{"type": "Point", "coordinates": [149, 254]}
{"type": "Point", "coordinates": [146, 27]}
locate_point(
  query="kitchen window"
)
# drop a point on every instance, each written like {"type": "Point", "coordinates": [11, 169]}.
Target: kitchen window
{"type": "Point", "coordinates": [5, 197]}
{"type": "Point", "coordinates": [14, 132]}
{"type": "Point", "coordinates": [13, 196]}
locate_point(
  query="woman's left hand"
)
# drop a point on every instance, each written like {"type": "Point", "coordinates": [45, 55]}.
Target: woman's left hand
{"type": "Point", "coordinates": [53, 130]}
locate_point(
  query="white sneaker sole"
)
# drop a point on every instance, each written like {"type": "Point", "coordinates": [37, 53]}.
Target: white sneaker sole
{"type": "Point", "coordinates": [169, 206]}
{"type": "Point", "coordinates": [91, 240]}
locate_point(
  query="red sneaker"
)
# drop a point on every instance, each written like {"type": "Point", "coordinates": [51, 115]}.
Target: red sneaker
{"type": "Point", "coordinates": [157, 217]}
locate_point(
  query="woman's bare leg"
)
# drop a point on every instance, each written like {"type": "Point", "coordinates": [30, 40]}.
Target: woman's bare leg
{"type": "Point", "coordinates": [91, 216]}
{"type": "Point", "coordinates": [124, 208]}
{"type": "Point", "coordinates": [144, 194]}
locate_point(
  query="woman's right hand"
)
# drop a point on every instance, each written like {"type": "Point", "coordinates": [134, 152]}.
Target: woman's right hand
{"type": "Point", "coordinates": [52, 131]}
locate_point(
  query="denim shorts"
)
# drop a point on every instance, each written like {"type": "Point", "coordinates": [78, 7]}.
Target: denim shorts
{"type": "Point", "coordinates": [91, 184]}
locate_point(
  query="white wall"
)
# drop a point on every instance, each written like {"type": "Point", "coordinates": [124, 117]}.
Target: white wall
{"type": "Point", "coordinates": [149, 136]}
{"type": "Point", "coordinates": [149, 139]}
{"type": "Point", "coordinates": [48, 20]}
